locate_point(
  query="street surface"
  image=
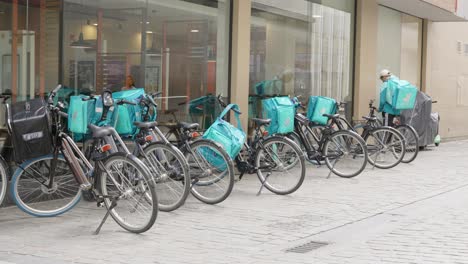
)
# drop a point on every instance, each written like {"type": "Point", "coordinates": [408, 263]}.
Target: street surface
{"type": "Point", "coordinates": [414, 213]}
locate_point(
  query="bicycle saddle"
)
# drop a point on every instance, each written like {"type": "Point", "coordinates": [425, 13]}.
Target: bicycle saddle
{"type": "Point", "coordinates": [188, 126]}
{"type": "Point", "coordinates": [99, 132]}
{"type": "Point", "coordinates": [335, 116]}
{"type": "Point", "coordinates": [261, 121]}
{"type": "Point", "coordinates": [145, 125]}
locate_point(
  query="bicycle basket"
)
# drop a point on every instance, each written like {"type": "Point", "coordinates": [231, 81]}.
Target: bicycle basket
{"type": "Point", "coordinates": [30, 129]}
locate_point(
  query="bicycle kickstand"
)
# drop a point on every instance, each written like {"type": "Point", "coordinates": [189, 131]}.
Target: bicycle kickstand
{"type": "Point", "coordinates": [263, 184]}
{"type": "Point", "coordinates": [112, 206]}
{"type": "Point", "coordinates": [330, 173]}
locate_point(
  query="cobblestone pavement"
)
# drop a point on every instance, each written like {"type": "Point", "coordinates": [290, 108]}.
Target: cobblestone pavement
{"type": "Point", "coordinates": [414, 213]}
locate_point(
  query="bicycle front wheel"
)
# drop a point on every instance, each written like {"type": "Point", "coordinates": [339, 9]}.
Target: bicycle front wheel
{"type": "Point", "coordinates": [32, 192]}
{"type": "Point", "coordinates": [345, 154]}
{"type": "Point", "coordinates": [211, 171]}
{"type": "Point", "coordinates": [273, 162]}
{"type": "Point", "coordinates": [171, 174]}
{"type": "Point", "coordinates": [127, 186]}
{"type": "Point", "coordinates": [411, 142]}
{"type": "Point", "coordinates": [386, 147]}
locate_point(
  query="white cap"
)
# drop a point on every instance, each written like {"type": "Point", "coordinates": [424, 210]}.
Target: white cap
{"type": "Point", "coordinates": [385, 73]}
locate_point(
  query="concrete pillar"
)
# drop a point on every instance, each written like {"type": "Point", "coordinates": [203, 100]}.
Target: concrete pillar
{"type": "Point", "coordinates": [240, 57]}
{"type": "Point", "coordinates": [366, 56]}
{"type": "Point", "coordinates": [426, 57]}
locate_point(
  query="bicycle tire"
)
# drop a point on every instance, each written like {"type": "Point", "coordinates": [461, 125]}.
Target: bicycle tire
{"type": "Point", "coordinates": [36, 207]}
{"type": "Point", "coordinates": [376, 150]}
{"type": "Point", "coordinates": [411, 142]}
{"type": "Point", "coordinates": [170, 171]}
{"type": "Point", "coordinates": [360, 151]}
{"type": "Point", "coordinates": [267, 180]}
{"type": "Point", "coordinates": [3, 180]}
{"type": "Point", "coordinates": [203, 169]}
{"type": "Point", "coordinates": [140, 183]}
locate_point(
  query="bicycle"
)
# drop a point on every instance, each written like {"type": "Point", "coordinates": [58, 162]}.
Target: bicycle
{"type": "Point", "coordinates": [57, 179]}
{"type": "Point", "coordinates": [272, 158]}
{"type": "Point", "coordinates": [167, 164]}
{"type": "Point", "coordinates": [211, 168]}
{"type": "Point", "coordinates": [343, 151]}
{"type": "Point", "coordinates": [386, 145]}
{"type": "Point", "coordinates": [408, 132]}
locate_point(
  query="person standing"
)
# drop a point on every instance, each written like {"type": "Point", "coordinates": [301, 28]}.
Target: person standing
{"type": "Point", "coordinates": [388, 111]}
{"type": "Point", "coordinates": [129, 83]}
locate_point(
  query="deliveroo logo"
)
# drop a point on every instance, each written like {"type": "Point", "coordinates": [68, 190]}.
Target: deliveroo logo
{"type": "Point", "coordinates": [407, 98]}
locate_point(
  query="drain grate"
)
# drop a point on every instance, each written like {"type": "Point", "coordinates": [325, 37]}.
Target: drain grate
{"type": "Point", "coordinates": [307, 247]}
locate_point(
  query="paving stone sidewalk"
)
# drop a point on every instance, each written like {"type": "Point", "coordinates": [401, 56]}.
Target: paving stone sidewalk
{"type": "Point", "coordinates": [388, 216]}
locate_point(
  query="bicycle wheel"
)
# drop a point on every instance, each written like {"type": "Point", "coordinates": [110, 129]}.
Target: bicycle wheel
{"type": "Point", "coordinates": [171, 174]}
{"type": "Point", "coordinates": [211, 171]}
{"type": "Point", "coordinates": [386, 147]}
{"type": "Point", "coordinates": [31, 193]}
{"type": "Point", "coordinates": [3, 180]}
{"type": "Point", "coordinates": [272, 161]}
{"type": "Point", "coordinates": [345, 154]}
{"type": "Point", "coordinates": [411, 142]}
{"type": "Point", "coordinates": [126, 180]}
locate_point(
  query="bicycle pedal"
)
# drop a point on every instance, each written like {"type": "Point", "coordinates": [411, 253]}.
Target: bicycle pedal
{"type": "Point", "coordinates": [100, 204]}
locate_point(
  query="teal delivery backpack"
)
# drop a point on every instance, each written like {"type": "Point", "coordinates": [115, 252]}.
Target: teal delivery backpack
{"type": "Point", "coordinates": [80, 114]}
{"type": "Point", "coordinates": [230, 138]}
{"type": "Point", "coordinates": [281, 111]}
{"type": "Point", "coordinates": [405, 97]}
{"type": "Point", "coordinates": [319, 105]}
{"type": "Point", "coordinates": [124, 115]}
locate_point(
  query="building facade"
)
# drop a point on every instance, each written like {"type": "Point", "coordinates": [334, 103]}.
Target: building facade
{"type": "Point", "coordinates": [191, 49]}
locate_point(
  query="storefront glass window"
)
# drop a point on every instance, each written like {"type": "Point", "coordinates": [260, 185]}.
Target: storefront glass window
{"type": "Point", "coordinates": [29, 48]}
{"type": "Point", "coordinates": [302, 48]}
{"type": "Point", "coordinates": [179, 48]}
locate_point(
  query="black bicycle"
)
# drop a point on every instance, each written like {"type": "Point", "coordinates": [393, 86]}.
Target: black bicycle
{"type": "Point", "coordinates": [386, 145]}
{"type": "Point", "coordinates": [343, 151]}
{"type": "Point", "coordinates": [211, 169]}
{"type": "Point", "coordinates": [278, 161]}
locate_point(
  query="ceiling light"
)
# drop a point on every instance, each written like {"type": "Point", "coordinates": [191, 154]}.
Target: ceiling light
{"type": "Point", "coordinates": [194, 30]}
{"type": "Point", "coordinates": [149, 32]}
{"type": "Point", "coordinates": [316, 16]}
{"type": "Point", "coordinates": [95, 24]}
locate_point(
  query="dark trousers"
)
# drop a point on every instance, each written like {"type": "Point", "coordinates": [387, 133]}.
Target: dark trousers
{"type": "Point", "coordinates": [388, 119]}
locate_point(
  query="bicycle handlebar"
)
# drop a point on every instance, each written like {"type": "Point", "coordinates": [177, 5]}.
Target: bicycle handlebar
{"type": "Point", "coordinates": [123, 101]}
{"type": "Point", "coordinates": [223, 104]}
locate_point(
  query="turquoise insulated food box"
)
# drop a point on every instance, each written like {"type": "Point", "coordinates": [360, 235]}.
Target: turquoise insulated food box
{"type": "Point", "coordinates": [80, 114]}
{"type": "Point", "coordinates": [319, 105]}
{"type": "Point", "coordinates": [124, 115]}
{"type": "Point", "coordinates": [405, 97]}
{"type": "Point", "coordinates": [281, 112]}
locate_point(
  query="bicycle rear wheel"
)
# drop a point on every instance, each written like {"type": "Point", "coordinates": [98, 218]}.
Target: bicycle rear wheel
{"type": "Point", "coordinates": [31, 192]}
{"type": "Point", "coordinates": [273, 161]}
{"type": "Point", "coordinates": [411, 142]}
{"type": "Point", "coordinates": [211, 171]}
{"type": "Point", "coordinates": [3, 180]}
{"type": "Point", "coordinates": [345, 154]}
{"type": "Point", "coordinates": [171, 174]}
{"type": "Point", "coordinates": [125, 180]}
{"type": "Point", "coordinates": [386, 147]}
